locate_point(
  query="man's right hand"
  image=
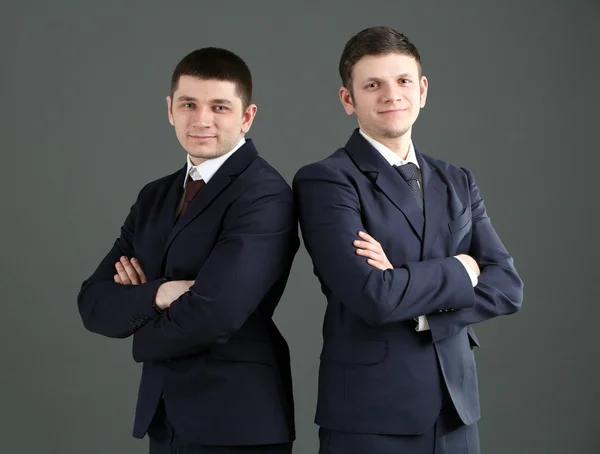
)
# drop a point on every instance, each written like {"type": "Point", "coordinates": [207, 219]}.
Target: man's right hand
{"type": "Point", "coordinates": [169, 292]}
{"type": "Point", "coordinates": [471, 262]}
{"type": "Point", "coordinates": [129, 272]}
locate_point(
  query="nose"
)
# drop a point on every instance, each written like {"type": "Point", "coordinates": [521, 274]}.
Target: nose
{"type": "Point", "coordinates": [202, 117]}
{"type": "Point", "coordinates": [391, 93]}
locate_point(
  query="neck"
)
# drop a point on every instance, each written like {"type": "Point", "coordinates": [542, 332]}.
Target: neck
{"type": "Point", "coordinates": [195, 161]}
{"type": "Point", "coordinates": [399, 145]}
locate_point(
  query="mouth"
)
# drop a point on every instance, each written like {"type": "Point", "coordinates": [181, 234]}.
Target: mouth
{"type": "Point", "coordinates": [393, 111]}
{"type": "Point", "coordinates": [201, 138]}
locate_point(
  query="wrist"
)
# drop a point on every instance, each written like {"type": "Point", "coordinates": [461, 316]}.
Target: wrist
{"type": "Point", "coordinates": [157, 304]}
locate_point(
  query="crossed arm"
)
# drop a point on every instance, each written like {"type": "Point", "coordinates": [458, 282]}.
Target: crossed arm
{"type": "Point", "coordinates": [369, 247]}
{"type": "Point", "coordinates": [130, 272]}
{"type": "Point", "coordinates": [381, 294]}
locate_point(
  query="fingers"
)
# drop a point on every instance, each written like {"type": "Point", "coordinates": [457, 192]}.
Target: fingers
{"type": "Point", "coordinates": [128, 273]}
{"type": "Point", "coordinates": [372, 250]}
{"type": "Point", "coordinates": [373, 255]}
{"type": "Point", "coordinates": [374, 259]}
{"type": "Point", "coordinates": [117, 279]}
{"type": "Point", "coordinates": [139, 270]}
{"type": "Point", "coordinates": [368, 246]}
{"type": "Point", "coordinates": [377, 264]}
{"type": "Point", "coordinates": [122, 273]}
{"type": "Point", "coordinates": [130, 270]}
{"type": "Point", "coordinates": [366, 237]}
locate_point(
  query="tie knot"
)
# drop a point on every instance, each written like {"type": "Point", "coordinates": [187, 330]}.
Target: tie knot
{"type": "Point", "coordinates": [408, 171]}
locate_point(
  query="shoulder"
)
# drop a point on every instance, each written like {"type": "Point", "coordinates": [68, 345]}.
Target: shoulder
{"type": "Point", "coordinates": [260, 183]}
{"type": "Point", "coordinates": [333, 166]}
{"type": "Point", "coordinates": [260, 176]}
{"type": "Point", "coordinates": [449, 171]}
{"type": "Point", "coordinates": [150, 189]}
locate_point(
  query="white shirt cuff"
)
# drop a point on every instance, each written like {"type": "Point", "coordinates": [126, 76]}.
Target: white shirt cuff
{"type": "Point", "coordinates": [422, 323]}
{"type": "Point", "coordinates": [472, 274]}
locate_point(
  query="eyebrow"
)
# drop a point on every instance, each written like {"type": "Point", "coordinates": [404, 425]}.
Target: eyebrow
{"type": "Point", "coordinates": [186, 98]}
{"type": "Point", "coordinates": [212, 101]}
{"type": "Point", "coordinates": [399, 76]}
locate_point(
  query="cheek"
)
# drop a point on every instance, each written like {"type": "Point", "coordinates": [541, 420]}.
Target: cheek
{"type": "Point", "coordinates": [181, 127]}
{"type": "Point", "coordinates": [363, 107]}
{"type": "Point", "coordinates": [223, 125]}
{"type": "Point", "coordinates": [416, 96]}
{"type": "Point", "coordinates": [179, 120]}
{"type": "Point", "coordinates": [178, 123]}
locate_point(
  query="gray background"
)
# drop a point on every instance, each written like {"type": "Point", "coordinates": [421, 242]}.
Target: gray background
{"type": "Point", "coordinates": [513, 96]}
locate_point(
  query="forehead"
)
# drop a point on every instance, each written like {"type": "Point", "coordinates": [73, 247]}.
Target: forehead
{"type": "Point", "coordinates": [205, 89]}
{"type": "Point", "coordinates": [384, 66]}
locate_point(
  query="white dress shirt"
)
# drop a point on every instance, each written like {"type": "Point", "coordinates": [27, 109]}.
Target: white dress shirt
{"type": "Point", "coordinates": [208, 168]}
{"type": "Point", "coordinates": [393, 159]}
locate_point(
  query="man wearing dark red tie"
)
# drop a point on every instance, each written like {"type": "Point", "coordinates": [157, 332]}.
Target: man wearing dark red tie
{"type": "Point", "coordinates": [196, 274]}
{"type": "Point", "coordinates": [409, 262]}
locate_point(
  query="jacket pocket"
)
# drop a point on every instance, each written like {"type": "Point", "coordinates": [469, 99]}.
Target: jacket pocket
{"type": "Point", "coordinates": [461, 222]}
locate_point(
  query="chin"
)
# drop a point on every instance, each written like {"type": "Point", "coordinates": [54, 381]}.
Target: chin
{"type": "Point", "coordinates": [394, 133]}
{"type": "Point", "coordinates": [207, 154]}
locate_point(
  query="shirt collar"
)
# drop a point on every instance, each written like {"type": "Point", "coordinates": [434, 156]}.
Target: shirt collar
{"type": "Point", "coordinates": [391, 157]}
{"type": "Point", "coordinates": [208, 168]}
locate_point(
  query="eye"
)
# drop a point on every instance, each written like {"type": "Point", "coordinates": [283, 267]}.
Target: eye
{"type": "Point", "coordinates": [220, 108]}
{"type": "Point", "coordinates": [405, 81]}
{"type": "Point", "coordinates": [188, 105]}
{"type": "Point", "coordinates": [372, 85]}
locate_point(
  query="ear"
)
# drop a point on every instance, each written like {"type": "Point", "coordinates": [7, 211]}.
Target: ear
{"type": "Point", "coordinates": [170, 110]}
{"type": "Point", "coordinates": [248, 117]}
{"type": "Point", "coordinates": [423, 86]}
{"type": "Point", "coordinates": [347, 101]}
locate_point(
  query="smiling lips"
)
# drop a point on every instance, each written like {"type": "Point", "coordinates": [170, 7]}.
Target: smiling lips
{"type": "Point", "coordinates": [201, 139]}
{"type": "Point", "coordinates": [393, 111]}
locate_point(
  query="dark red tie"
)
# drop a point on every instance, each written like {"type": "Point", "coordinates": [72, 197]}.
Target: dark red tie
{"type": "Point", "coordinates": [192, 188]}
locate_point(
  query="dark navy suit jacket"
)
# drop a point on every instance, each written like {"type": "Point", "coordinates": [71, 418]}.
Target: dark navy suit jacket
{"type": "Point", "coordinates": [215, 354]}
{"type": "Point", "coordinates": [377, 374]}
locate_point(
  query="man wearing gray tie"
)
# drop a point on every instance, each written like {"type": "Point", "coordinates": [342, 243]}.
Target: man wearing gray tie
{"type": "Point", "coordinates": [409, 262]}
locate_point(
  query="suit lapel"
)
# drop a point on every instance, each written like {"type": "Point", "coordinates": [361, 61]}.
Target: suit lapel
{"type": "Point", "coordinates": [435, 198]}
{"type": "Point", "coordinates": [370, 162]}
{"type": "Point", "coordinates": [230, 169]}
{"type": "Point", "coordinates": [166, 216]}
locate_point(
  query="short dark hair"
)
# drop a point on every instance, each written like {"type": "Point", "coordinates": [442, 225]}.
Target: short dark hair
{"type": "Point", "coordinates": [215, 63]}
{"type": "Point", "coordinates": [374, 41]}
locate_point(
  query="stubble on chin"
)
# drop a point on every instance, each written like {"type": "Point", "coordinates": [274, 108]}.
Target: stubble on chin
{"type": "Point", "coordinates": [207, 154]}
{"type": "Point", "coordinates": [211, 154]}
{"type": "Point", "coordinates": [394, 133]}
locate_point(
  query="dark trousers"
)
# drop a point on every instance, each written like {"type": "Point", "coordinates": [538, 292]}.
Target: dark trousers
{"type": "Point", "coordinates": [447, 436]}
{"type": "Point", "coordinates": [165, 440]}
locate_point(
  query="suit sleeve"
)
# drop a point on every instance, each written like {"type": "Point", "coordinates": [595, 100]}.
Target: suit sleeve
{"type": "Point", "coordinates": [254, 251]}
{"type": "Point", "coordinates": [112, 309]}
{"type": "Point", "coordinates": [499, 290]}
{"type": "Point", "coordinates": [330, 219]}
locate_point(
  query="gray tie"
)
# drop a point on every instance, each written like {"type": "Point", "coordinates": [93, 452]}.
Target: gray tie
{"type": "Point", "coordinates": [410, 173]}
